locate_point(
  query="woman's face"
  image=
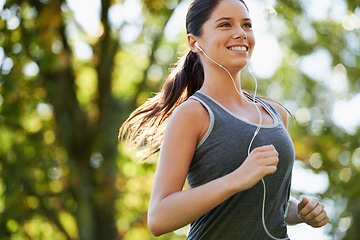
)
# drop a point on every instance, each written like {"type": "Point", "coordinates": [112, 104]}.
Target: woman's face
{"type": "Point", "coordinates": [227, 36]}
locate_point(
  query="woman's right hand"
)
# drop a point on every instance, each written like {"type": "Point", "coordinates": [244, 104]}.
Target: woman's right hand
{"type": "Point", "coordinates": [260, 162]}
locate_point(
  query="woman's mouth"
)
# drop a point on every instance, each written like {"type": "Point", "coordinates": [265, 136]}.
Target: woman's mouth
{"type": "Point", "coordinates": [238, 48]}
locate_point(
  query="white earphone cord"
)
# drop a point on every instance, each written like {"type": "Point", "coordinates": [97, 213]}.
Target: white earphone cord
{"type": "Point", "coordinates": [252, 140]}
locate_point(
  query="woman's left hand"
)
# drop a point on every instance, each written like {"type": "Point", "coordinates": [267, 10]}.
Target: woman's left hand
{"type": "Point", "coordinates": [312, 212]}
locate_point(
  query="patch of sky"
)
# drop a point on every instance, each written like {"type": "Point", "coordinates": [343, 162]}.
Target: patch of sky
{"type": "Point", "coordinates": [127, 17]}
{"type": "Point", "coordinates": [89, 24]}
{"type": "Point", "coordinates": [176, 23]}
{"type": "Point", "coordinates": [317, 65]}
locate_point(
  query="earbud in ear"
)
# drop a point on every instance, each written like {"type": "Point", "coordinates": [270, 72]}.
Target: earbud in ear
{"type": "Point", "coordinates": [197, 45]}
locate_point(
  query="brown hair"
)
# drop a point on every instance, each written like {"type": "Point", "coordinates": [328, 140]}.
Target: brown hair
{"type": "Point", "coordinates": [145, 126]}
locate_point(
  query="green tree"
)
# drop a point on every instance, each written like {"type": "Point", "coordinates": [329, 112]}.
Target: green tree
{"type": "Point", "coordinates": [60, 116]}
{"type": "Point", "coordinates": [63, 174]}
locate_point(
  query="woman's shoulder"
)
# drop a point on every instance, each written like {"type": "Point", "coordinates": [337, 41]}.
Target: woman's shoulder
{"type": "Point", "coordinates": [191, 109]}
{"type": "Point", "coordinates": [191, 116]}
{"type": "Point", "coordinates": [282, 111]}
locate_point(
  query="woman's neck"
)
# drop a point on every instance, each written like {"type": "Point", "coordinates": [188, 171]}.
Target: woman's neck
{"type": "Point", "coordinates": [219, 84]}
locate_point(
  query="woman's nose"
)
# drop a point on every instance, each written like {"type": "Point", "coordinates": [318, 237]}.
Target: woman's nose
{"type": "Point", "coordinates": [239, 33]}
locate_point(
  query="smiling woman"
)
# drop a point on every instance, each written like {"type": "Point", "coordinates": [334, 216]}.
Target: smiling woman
{"type": "Point", "coordinates": [226, 142]}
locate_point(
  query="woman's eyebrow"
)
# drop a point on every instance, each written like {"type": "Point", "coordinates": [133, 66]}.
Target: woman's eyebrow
{"type": "Point", "coordinates": [222, 18]}
{"type": "Point", "coordinates": [229, 18]}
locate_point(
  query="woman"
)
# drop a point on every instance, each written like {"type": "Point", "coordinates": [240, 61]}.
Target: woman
{"type": "Point", "coordinates": [222, 139]}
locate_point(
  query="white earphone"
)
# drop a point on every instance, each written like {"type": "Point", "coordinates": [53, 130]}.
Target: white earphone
{"type": "Point", "coordinates": [252, 140]}
{"type": "Point", "coordinates": [197, 45]}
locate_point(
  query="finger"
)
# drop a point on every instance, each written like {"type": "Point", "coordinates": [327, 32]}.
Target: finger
{"type": "Point", "coordinates": [310, 205]}
{"type": "Point", "coordinates": [271, 161]}
{"type": "Point", "coordinates": [302, 204]}
{"type": "Point", "coordinates": [314, 212]}
{"type": "Point", "coordinates": [319, 221]}
{"type": "Point", "coordinates": [315, 216]}
{"type": "Point", "coordinates": [323, 222]}
{"type": "Point", "coordinates": [265, 161]}
{"type": "Point", "coordinates": [265, 154]}
{"type": "Point", "coordinates": [272, 148]}
{"type": "Point", "coordinates": [264, 148]}
{"type": "Point", "coordinates": [270, 169]}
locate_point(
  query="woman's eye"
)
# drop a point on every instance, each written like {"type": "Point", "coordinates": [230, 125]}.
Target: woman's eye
{"type": "Point", "coordinates": [224, 25]}
{"type": "Point", "coordinates": [247, 25]}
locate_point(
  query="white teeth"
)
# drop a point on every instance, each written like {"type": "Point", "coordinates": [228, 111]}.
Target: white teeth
{"type": "Point", "coordinates": [241, 49]}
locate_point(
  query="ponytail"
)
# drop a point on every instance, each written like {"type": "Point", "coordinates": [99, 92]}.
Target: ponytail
{"type": "Point", "coordinates": [146, 125]}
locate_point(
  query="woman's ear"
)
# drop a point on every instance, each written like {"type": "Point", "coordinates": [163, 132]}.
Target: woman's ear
{"type": "Point", "coordinates": [191, 42]}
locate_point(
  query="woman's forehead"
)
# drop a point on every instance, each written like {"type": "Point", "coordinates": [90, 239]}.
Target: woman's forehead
{"type": "Point", "coordinates": [229, 9]}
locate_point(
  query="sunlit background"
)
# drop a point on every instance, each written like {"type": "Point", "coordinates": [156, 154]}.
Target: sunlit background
{"type": "Point", "coordinates": [267, 58]}
{"type": "Point", "coordinates": [270, 54]}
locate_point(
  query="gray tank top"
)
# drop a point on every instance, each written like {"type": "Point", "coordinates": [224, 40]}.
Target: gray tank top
{"type": "Point", "coordinates": [221, 151]}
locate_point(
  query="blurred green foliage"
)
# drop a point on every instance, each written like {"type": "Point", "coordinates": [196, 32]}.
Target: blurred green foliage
{"type": "Point", "coordinates": [63, 174]}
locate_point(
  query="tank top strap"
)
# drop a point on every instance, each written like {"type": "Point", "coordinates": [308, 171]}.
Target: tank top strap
{"type": "Point", "coordinates": [268, 106]}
